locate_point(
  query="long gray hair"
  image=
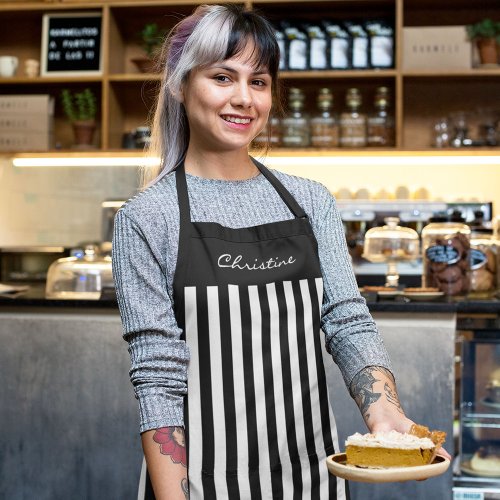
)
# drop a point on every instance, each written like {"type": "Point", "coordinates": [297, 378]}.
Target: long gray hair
{"type": "Point", "coordinates": [211, 34]}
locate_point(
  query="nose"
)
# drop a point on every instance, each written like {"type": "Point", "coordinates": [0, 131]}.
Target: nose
{"type": "Point", "coordinates": [242, 96]}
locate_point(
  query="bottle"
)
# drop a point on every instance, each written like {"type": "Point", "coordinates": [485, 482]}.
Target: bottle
{"type": "Point", "coordinates": [280, 38]}
{"type": "Point", "coordinates": [296, 47]}
{"type": "Point", "coordinates": [295, 125]}
{"type": "Point", "coordinates": [324, 125]}
{"type": "Point", "coordinates": [381, 123]}
{"type": "Point", "coordinates": [317, 47]}
{"type": "Point", "coordinates": [446, 254]}
{"type": "Point", "coordinates": [338, 45]}
{"type": "Point", "coordinates": [381, 44]}
{"type": "Point", "coordinates": [270, 135]}
{"type": "Point", "coordinates": [359, 45]}
{"type": "Point", "coordinates": [352, 122]}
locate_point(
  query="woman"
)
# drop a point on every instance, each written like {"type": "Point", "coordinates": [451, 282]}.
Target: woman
{"type": "Point", "coordinates": [225, 274]}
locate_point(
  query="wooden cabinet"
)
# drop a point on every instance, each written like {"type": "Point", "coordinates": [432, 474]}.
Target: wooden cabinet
{"type": "Point", "coordinates": [126, 95]}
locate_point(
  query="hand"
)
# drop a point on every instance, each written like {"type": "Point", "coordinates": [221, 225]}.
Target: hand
{"type": "Point", "coordinates": [402, 425]}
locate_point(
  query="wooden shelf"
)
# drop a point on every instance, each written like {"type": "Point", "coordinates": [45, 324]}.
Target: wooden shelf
{"type": "Point", "coordinates": [134, 77]}
{"type": "Point", "coordinates": [126, 96]}
{"type": "Point", "coordinates": [279, 152]}
{"type": "Point", "coordinates": [24, 80]}
{"type": "Point", "coordinates": [451, 73]}
{"type": "Point", "coordinates": [354, 74]}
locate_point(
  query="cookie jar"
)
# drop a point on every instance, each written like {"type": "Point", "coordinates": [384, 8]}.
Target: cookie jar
{"type": "Point", "coordinates": [446, 254]}
{"type": "Point", "coordinates": [484, 262]}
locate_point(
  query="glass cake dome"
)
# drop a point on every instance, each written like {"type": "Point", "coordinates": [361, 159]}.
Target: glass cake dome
{"type": "Point", "coordinates": [79, 277]}
{"type": "Point", "coordinates": [391, 243]}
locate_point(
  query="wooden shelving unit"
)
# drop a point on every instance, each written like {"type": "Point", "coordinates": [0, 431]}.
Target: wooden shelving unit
{"type": "Point", "coordinates": [126, 95]}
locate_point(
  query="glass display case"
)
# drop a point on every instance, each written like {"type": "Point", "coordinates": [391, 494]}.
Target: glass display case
{"type": "Point", "coordinates": [477, 467]}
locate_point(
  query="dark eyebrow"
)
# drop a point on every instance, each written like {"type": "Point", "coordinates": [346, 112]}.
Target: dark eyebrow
{"type": "Point", "coordinates": [233, 71]}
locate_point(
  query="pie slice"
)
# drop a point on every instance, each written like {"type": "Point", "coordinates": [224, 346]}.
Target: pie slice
{"type": "Point", "coordinates": [394, 449]}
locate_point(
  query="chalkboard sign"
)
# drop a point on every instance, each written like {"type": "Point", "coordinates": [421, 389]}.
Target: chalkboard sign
{"type": "Point", "coordinates": [71, 44]}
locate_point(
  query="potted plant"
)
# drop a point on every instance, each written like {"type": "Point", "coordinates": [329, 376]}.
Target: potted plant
{"type": "Point", "coordinates": [80, 108]}
{"type": "Point", "coordinates": [486, 34]}
{"type": "Point", "coordinates": [151, 37]}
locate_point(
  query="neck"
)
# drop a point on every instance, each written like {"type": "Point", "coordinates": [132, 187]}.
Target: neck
{"type": "Point", "coordinates": [227, 165]}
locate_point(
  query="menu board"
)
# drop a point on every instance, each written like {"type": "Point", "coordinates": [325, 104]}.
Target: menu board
{"type": "Point", "coordinates": [71, 44]}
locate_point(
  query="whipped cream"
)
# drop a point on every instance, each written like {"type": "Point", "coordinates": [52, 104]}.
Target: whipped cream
{"type": "Point", "coordinates": [391, 439]}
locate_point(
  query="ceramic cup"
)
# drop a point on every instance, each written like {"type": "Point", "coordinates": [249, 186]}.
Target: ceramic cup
{"type": "Point", "coordinates": [8, 65]}
{"type": "Point", "coordinates": [31, 68]}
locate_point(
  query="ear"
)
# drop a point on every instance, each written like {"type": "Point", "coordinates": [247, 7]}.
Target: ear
{"type": "Point", "coordinates": [178, 95]}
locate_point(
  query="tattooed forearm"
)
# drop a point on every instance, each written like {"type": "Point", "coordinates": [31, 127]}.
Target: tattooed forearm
{"type": "Point", "coordinates": [362, 390]}
{"type": "Point", "coordinates": [185, 487]}
{"type": "Point", "coordinates": [172, 443]}
{"type": "Point", "coordinates": [392, 397]}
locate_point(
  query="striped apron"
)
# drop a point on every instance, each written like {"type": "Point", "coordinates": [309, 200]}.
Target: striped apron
{"type": "Point", "coordinates": [259, 421]}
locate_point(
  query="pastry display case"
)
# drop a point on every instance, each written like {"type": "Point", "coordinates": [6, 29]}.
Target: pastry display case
{"type": "Point", "coordinates": [477, 466]}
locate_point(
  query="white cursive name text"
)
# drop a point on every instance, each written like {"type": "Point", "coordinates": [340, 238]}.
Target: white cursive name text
{"type": "Point", "coordinates": [227, 260]}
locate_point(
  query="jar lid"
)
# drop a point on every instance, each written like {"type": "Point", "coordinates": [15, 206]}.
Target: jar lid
{"type": "Point", "coordinates": [455, 216]}
{"type": "Point", "coordinates": [438, 217]}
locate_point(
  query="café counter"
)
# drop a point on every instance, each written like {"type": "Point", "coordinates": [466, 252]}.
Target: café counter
{"type": "Point", "coordinates": [70, 420]}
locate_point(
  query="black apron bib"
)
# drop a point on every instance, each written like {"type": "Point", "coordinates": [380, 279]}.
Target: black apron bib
{"type": "Point", "coordinates": [258, 419]}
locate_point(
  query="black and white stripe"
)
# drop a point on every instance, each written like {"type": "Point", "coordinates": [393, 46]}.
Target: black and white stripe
{"type": "Point", "coordinates": [256, 374]}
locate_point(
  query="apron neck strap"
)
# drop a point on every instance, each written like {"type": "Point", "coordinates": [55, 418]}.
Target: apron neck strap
{"type": "Point", "coordinates": [182, 193]}
{"type": "Point", "coordinates": [289, 200]}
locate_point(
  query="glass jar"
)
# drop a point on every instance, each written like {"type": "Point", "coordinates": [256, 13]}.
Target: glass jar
{"type": "Point", "coordinates": [446, 253]}
{"type": "Point", "coordinates": [352, 122]}
{"type": "Point", "coordinates": [324, 125]}
{"type": "Point", "coordinates": [295, 125]}
{"type": "Point", "coordinates": [380, 124]}
{"type": "Point", "coordinates": [270, 136]}
{"type": "Point", "coordinates": [484, 263]}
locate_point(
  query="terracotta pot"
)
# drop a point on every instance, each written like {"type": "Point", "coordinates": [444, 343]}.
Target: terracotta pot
{"type": "Point", "coordinates": [487, 51]}
{"type": "Point", "coordinates": [84, 132]}
{"type": "Point", "coordinates": [145, 65]}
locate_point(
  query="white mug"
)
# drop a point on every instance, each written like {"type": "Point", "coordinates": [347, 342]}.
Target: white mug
{"type": "Point", "coordinates": [8, 65]}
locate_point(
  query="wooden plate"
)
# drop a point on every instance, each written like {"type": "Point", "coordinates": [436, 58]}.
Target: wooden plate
{"type": "Point", "coordinates": [423, 296]}
{"type": "Point", "coordinates": [337, 466]}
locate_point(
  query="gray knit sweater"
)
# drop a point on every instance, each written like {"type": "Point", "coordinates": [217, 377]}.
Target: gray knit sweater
{"type": "Point", "coordinates": [144, 259]}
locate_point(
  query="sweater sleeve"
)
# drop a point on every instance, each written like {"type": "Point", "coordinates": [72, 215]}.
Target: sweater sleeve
{"type": "Point", "coordinates": [351, 335]}
{"type": "Point", "coordinates": [159, 358]}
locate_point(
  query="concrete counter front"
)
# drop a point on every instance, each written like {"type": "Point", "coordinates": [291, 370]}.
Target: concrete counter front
{"type": "Point", "coordinates": [69, 423]}
{"type": "Point", "coordinates": [69, 420]}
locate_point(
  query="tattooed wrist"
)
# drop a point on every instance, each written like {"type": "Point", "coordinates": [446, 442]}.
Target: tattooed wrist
{"type": "Point", "coordinates": [362, 390]}
{"type": "Point", "coordinates": [172, 443]}
{"type": "Point", "coordinates": [392, 397]}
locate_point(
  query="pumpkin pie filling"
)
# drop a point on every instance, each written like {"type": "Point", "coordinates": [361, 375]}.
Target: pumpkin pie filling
{"type": "Point", "coordinates": [394, 449]}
